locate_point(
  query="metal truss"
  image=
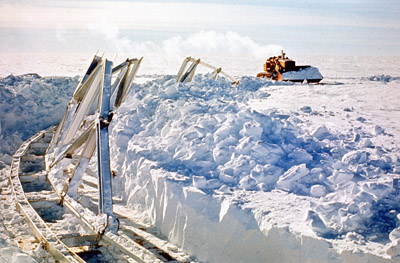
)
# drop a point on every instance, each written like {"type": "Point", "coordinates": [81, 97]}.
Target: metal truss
{"type": "Point", "coordinates": [188, 68]}
{"type": "Point", "coordinates": [84, 128]}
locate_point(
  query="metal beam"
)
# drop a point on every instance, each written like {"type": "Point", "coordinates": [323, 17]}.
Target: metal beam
{"type": "Point", "coordinates": [85, 105]}
{"type": "Point", "coordinates": [126, 82]}
{"type": "Point", "coordinates": [182, 68]}
{"type": "Point", "coordinates": [77, 135]}
{"type": "Point", "coordinates": [103, 152]}
{"type": "Point", "coordinates": [187, 75]}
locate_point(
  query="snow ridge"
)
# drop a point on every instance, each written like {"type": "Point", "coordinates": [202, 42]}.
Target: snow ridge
{"type": "Point", "coordinates": [28, 104]}
{"type": "Point", "coordinates": [213, 174]}
{"type": "Point", "coordinates": [383, 78]}
{"type": "Point", "coordinates": [204, 137]}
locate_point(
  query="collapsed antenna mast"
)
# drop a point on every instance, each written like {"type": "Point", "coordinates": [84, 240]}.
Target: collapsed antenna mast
{"type": "Point", "coordinates": [186, 71]}
{"type": "Point", "coordinates": [77, 136]}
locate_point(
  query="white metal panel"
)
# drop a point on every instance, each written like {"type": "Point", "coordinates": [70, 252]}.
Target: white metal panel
{"type": "Point", "coordinates": [86, 103]}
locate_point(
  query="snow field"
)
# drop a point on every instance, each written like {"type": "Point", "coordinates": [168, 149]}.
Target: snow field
{"type": "Point", "coordinates": [307, 73]}
{"type": "Point", "coordinates": [28, 104]}
{"type": "Point", "coordinates": [183, 150]}
{"type": "Point", "coordinates": [262, 172]}
{"type": "Point", "coordinates": [17, 243]}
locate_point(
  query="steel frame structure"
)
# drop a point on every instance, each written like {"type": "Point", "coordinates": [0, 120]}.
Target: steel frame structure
{"type": "Point", "coordinates": [188, 68]}
{"type": "Point", "coordinates": [84, 127]}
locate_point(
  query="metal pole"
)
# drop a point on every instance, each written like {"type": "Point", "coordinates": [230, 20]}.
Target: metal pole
{"type": "Point", "coordinates": [103, 152]}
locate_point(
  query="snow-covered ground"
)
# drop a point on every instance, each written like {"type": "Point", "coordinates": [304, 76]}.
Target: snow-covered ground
{"type": "Point", "coordinates": [17, 243]}
{"type": "Point", "coordinates": [264, 171]}
{"type": "Point", "coordinates": [234, 173]}
{"type": "Point", "coordinates": [28, 104]}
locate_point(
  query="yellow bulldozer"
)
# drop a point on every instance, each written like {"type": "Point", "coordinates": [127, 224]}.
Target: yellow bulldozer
{"type": "Point", "coordinates": [282, 68]}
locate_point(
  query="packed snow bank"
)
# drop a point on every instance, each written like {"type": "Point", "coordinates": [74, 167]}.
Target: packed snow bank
{"type": "Point", "coordinates": [232, 184]}
{"type": "Point", "coordinates": [28, 104]}
{"type": "Point", "coordinates": [311, 73]}
{"type": "Point", "coordinates": [17, 242]}
{"type": "Point", "coordinates": [265, 171]}
{"type": "Point", "coordinates": [383, 78]}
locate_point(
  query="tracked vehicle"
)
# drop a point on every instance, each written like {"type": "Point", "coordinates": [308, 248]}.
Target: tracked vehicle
{"type": "Point", "coordinates": [282, 68]}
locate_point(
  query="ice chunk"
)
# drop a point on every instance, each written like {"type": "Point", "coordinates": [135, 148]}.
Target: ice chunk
{"type": "Point", "coordinates": [300, 156]}
{"type": "Point", "coordinates": [303, 74]}
{"type": "Point", "coordinates": [292, 176]}
{"type": "Point", "coordinates": [316, 223]}
{"type": "Point", "coordinates": [213, 184]}
{"type": "Point", "coordinates": [377, 130]}
{"type": "Point", "coordinates": [7, 159]}
{"type": "Point", "coordinates": [355, 157]}
{"type": "Point", "coordinates": [340, 177]}
{"type": "Point", "coordinates": [321, 133]}
{"type": "Point", "coordinates": [318, 190]}
{"type": "Point", "coordinates": [199, 182]}
{"type": "Point", "coordinates": [252, 129]}
{"type": "Point", "coordinates": [172, 91]}
{"type": "Point", "coordinates": [247, 183]}
{"type": "Point", "coordinates": [306, 109]}
{"type": "Point", "coordinates": [13, 254]}
{"type": "Point", "coordinates": [226, 178]}
{"type": "Point", "coordinates": [395, 234]}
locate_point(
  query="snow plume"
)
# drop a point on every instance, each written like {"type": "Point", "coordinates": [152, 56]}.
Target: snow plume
{"type": "Point", "coordinates": [209, 45]}
{"type": "Point", "coordinates": [199, 44]}
{"type": "Point", "coordinates": [213, 43]}
{"type": "Point", "coordinates": [110, 37]}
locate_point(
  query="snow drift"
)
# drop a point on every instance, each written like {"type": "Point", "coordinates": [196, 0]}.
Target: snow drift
{"type": "Point", "coordinates": [232, 184]}
{"type": "Point", "coordinates": [247, 173]}
{"type": "Point", "coordinates": [28, 104]}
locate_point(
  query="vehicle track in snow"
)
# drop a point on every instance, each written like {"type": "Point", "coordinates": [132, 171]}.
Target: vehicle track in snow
{"type": "Point", "coordinates": [61, 224]}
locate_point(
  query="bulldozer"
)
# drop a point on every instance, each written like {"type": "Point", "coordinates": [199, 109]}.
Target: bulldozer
{"type": "Point", "coordinates": [282, 68]}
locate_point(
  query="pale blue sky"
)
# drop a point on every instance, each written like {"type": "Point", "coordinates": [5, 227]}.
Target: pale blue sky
{"type": "Point", "coordinates": [303, 27]}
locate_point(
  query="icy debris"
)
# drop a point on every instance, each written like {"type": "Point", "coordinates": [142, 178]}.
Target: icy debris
{"type": "Point", "coordinates": [290, 179]}
{"type": "Point", "coordinates": [355, 157]}
{"type": "Point", "coordinates": [307, 73]}
{"type": "Point", "coordinates": [7, 159]}
{"type": "Point", "coordinates": [28, 104]}
{"type": "Point", "coordinates": [318, 190]}
{"type": "Point", "coordinates": [316, 223]}
{"type": "Point", "coordinates": [321, 133]}
{"type": "Point", "coordinates": [199, 182]}
{"type": "Point", "coordinates": [383, 78]}
{"type": "Point", "coordinates": [203, 132]}
{"type": "Point", "coordinates": [340, 177]}
{"type": "Point", "coordinates": [306, 109]}
{"type": "Point", "coordinates": [13, 254]}
{"type": "Point", "coordinates": [361, 119]}
{"type": "Point", "coordinates": [181, 150]}
{"type": "Point", "coordinates": [377, 130]}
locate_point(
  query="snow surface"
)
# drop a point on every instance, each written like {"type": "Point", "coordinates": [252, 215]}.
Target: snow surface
{"type": "Point", "coordinates": [231, 174]}
{"type": "Point", "coordinates": [17, 243]}
{"type": "Point", "coordinates": [265, 171]}
{"type": "Point", "coordinates": [28, 104]}
{"type": "Point", "coordinates": [302, 74]}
